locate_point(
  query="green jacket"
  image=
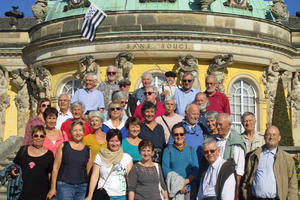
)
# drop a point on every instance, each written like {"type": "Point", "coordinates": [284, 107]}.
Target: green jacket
{"type": "Point", "coordinates": [284, 171]}
{"type": "Point", "coordinates": [233, 139]}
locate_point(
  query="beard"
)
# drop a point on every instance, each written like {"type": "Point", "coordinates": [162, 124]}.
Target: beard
{"type": "Point", "coordinates": [211, 90]}
{"type": "Point", "coordinates": [202, 106]}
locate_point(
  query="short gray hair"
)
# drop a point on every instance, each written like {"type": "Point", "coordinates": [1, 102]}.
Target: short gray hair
{"type": "Point", "coordinates": [119, 95]}
{"type": "Point", "coordinates": [211, 76]}
{"type": "Point", "coordinates": [227, 117]}
{"type": "Point", "coordinates": [206, 98]}
{"type": "Point", "coordinates": [77, 104]}
{"type": "Point", "coordinates": [62, 95]}
{"type": "Point", "coordinates": [188, 73]}
{"type": "Point", "coordinates": [147, 74]}
{"type": "Point", "coordinates": [112, 67]}
{"type": "Point", "coordinates": [169, 98]}
{"type": "Point", "coordinates": [96, 113]}
{"type": "Point", "coordinates": [209, 140]}
{"type": "Point", "coordinates": [211, 115]}
{"type": "Point", "coordinates": [155, 90]}
{"type": "Point", "coordinates": [189, 105]}
{"type": "Point", "coordinates": [92, 75]}
{"type": "Point", "coordinates": [245, 114]}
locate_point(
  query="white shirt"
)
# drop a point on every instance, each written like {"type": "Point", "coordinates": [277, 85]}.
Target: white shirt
{"type": "Point", "coordinates": [207, 186]}
{"type": "Point", "coordinates": [111, 126]}
{"type": "Point", "coordinates": [61, 118]}
{"type": "Point", "coordinates": [116, 183]}
{"type": "Point", "coordinates": [238, 155]}
{"type": "Point", "coordinates": [167, 87]}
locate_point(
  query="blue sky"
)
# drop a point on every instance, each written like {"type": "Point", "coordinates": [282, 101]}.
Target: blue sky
{"type": "Point", "coordinates": [25, 6]}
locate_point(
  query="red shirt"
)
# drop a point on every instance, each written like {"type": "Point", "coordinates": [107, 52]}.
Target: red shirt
{"type": "Point", "coordinates": [218, 102]}
{"type": "Point", "coordinates": [160, 110]}
{"type": "Point", "coordinates": [66, 124]}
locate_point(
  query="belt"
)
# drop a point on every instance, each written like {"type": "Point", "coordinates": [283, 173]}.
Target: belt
{"type": "Point", "coordinates": [258, 198]}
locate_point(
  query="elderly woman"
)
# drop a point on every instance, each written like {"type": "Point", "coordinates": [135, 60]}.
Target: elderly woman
{"type": "Point", "coordinates": [111, 168]}
{"type": "Point", "coordinates": [145, 179]}
{"type": "Point", "coordinates": [211, 121]}
{"type": "Point", "coordinates": [36, 164]}
{"type": "Point", "coordinates": [170, 118]}
{"type": "Point", "coordinates": [77, 109]}
{"type": "Point", "coordinates": [54, 137]}
{"type": "Point", "coordinates": [114, 115]}
{"type": "Point", "coordinates": [121, 98]}
{"type": "Point", "coordinates": [71, 167]}
{"type": "Point", "coordinates": [180, 163]}
{"type": "Point", "coordinates": [36, 120]}
{"type": "Point", "coordinates": [131, 143]}
{"type": "Point", "coordinates": [97, 139]}
{"type": "Point", "coordinates": [152, 131]}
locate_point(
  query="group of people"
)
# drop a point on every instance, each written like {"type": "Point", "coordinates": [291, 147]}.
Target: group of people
{"type": "Point", "coordinates": [170, 142]}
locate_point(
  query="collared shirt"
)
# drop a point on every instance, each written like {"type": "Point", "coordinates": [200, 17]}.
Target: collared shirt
{"type": "Point", "coordinates": [92, 100]}
{"type": "Point", "coordinates": [218, 102]}
{"type": "Point", "coordinates": [107, 90]}
{"type": "Point", "coordinates": [183, 99]}
{"type": "Point", "coordinates": [62, 118]}
{"type": "Point", "coordinates": [167, 87]}
{"type": "Point", "coordinates": [264, 183]}
{"type": "Point", "coordinates": [238, 154]}
{"type": "Point", "coordinates": [207, 185]}
{"type": "Point", "coordinates": [251, 144]}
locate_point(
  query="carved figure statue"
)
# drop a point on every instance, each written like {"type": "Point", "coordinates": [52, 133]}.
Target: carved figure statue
{"type": "Point", "coordinates": [4, 79]}
{"type": "Point", "coordinates": [279, 11]}
{"type": "Point", "coordinates": [86, 65]}
{"type": "Point", "coordinates": [218, 68]}
{"type": "Point", "coordinates": [185, 64]}
{"type": "Point", "coordinates": [4, 103]}
{"type": "Point", "coordinates": [205, 4]}
{"type": "Point", "coordinates": [43, 81]}
{"type": "Point", "coordinates": [295, 100]}
{"type": "Point", "coordinates": [124, 62]}
{"type": "Point", "coordinates": [40, 10]}
{"type": "Point", "coordinates": [286, 77]}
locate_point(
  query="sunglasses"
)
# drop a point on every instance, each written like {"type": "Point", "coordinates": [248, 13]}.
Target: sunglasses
{"type": "Point", "coordinates": [111, 73]}
{"type": "Point", "coordinates": [125, 102]}
{"type": "Point", "coordinates": [38, 136]}
{"type": "Point", "coordinates": [123, 86]}
{"type": "Point", "coordinates": [113, 109]}
{"type": "Point", "coordinates": [185, 80]}
{"type": "Point", "coordinates": [46, 105]}
{"type": "Point", "coordinates": [209, 151]}
{"type": "Point", "coordinates": [148, 93]}
{"type": "Point", "coordinates": [177, 134]}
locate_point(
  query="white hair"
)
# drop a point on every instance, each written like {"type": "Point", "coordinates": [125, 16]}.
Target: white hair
{"type": "Point", "coordinates": [92, 75]}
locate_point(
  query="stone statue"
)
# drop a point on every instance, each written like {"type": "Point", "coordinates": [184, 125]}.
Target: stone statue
{"type": "Point", "coordinates": [185, 64]}
{"type": "Point", "coordinates": [205, 4]}
{"type": "Point", "coordinates": [86, 65]}
{"type": "Point", "coordinates": [43, 81]}
{"type": "Point", "coordinates": [4, 103]}
{"type": "Point", "coordinates": [295, 100]}
{"type": "Point", "coordinates": [218, 68]}
{"type": "Point", "coordinates": [279, 11]}
{"type": "Point", "coordinates": [270, 79]}
{"type": "Point", "coordinates": [14, 15]}
{"type": "Point", "coordinates": [286, 77]}
{"type": "Point", "coordinates": [124, 62]}
{"type": "Point", "coordinates": [40, 10]}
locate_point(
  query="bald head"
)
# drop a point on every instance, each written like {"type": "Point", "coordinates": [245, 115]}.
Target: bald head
{"type": "Point", "coordinates": [272, 137]}
{"type": "Point", "coordinates": [192, 113]}
{"type": "Point", "coordinates": [223, 125]}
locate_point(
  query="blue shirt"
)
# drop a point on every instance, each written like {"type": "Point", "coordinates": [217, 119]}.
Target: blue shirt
{"type": "Point", "coordinates": [264, 183]}
{"type": "Point", "coordinates": [92, 100]}
{"type": "Point", "coordinates": [183, 99]}
{"type": "Point", "coordinates": [123, 130]}
{"type": "Point", "coordinates": [132, 150]}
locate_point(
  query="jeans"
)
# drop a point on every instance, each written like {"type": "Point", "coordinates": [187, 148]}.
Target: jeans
{"type": "Point", "coordinates": [65, 191]}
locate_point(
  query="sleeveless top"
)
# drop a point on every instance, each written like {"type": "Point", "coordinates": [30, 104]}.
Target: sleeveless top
{"type": "Point", "coordinates": [73, 165]}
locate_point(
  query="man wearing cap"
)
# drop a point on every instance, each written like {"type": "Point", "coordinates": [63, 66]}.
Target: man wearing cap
{"type": "Point", "coordinates": [168, 88]}
{"type": "Point", "coordinates": [132, 101]}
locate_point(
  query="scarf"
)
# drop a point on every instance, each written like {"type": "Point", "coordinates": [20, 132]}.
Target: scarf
{"type": "Point", "coordinates": [179, 148]}
{"type": "Point", "coordinates": [108, 157]}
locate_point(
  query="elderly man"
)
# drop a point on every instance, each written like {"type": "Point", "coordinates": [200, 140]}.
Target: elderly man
{"type": "Point", "coordinates": [109, 86]}
{"type": "Point", "coordinates": [91, 97]}
{"type": "Point", "coordinates": [218, 182]}
{"type": "Point", "coordinates": [194, 133]}
{"type": "Point", "coordinates": [139, 93]}
{"type": "Point", "coordinates": [252, 138]}
{"type": "Point", "coordinates": [77, 109]}
{"type": "Point", "coordinates": [270, 172]}
{"type": "Point", "coordinates": [150, 93]}
{"type": "Point", "coordinates": [231, 144]}
{"type": "Point", "coordinates": [186, 94]}
{"type": "Point", "coordinates": [202, 101]}
{"type": "Point", "coordinates": [64, 112]}
{"type": "Point", "coordinates": [131, 101]}
{"type": "Point", "coordinates": [169, 87]}
{"type": "Point", "coordinates": [218, 101]}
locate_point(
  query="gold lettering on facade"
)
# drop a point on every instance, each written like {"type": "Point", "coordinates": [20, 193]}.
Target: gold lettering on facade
{"type": "Point", "coordinates": [158, 46]}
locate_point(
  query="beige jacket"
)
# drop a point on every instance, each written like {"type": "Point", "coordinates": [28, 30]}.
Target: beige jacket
{"type": "Point", "coordinates": [284, 171]}
{"type": "Point", "coordinates": [257, 141]}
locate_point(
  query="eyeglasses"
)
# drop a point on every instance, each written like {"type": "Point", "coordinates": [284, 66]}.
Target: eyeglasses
{"type": "Point", "coordinates": [46, 105]}
{"type": "Point", "coordinates": [113, 109]}
{"type": "Point", "coordinates": [111, 73]}
{"type": "Point", "coordinates": [148, 93]}
{"type": "Point", "coordinates": [177, 134]}
{"type": "Point", "coordinates": [123, 102]}
{"type": "Point", "coordinates": [210, 83]}
{"type": "Point", "coordinates": [40, 136]}
{"type": "Point", "coordinates": [209, 151]}
{"type": "Point", "coordinates": [63, 100]}
{"type": "Point", "coordinates": [185, 80]}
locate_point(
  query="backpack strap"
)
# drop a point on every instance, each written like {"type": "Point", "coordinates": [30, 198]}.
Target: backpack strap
{"type": "Point", "coordinates": [169, 150]}
{"type": "Point", "coordinates": [166, 124]}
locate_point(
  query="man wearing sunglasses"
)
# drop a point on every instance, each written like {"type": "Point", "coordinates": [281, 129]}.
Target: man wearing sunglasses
{"type": "Point", "coordinates": [132, 101]}
{"type": "Point", "coordinates": [186, 94]}
{"type": "Point", "coordinates": [109, 86]}
{"type": "Point", "coordinates": [217, 101]}
{"type": "Point", "coordinates": [213, 186]}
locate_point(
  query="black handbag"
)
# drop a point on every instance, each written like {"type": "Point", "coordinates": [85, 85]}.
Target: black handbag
{"type": "Point", "coordinates": [101, 194]}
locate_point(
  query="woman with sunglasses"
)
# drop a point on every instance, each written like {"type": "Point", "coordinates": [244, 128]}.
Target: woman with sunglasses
{"type": "Point", "coordinates": [180, 163]}
{"type": "Point", "coordinates": [36, 164]}
{"type": "Point", "coordinates": [71, 167]}
{"type": "Point", "coordinates": [54, 137]}
{"type": "Point", "coordinates": [114, 116]}
{"type": "Point", "coordinates": [36, 120]}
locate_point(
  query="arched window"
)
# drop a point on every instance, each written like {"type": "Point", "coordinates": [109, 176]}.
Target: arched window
{"type": "Point", "coordinates": [70, 87]}
{"type": "Point", "coordinates": [243, 99]}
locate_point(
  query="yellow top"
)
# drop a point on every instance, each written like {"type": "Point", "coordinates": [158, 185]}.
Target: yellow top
{"type": "Point", "coordinates": [91, 141]}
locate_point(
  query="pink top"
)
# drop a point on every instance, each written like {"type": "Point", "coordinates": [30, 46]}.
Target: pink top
{"type": "Point", "coordinates": [219, 103]}
{"type": "Point", "coordinates": [54, 146]}
{"type": "Point", "coordinates": [160, 110]}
